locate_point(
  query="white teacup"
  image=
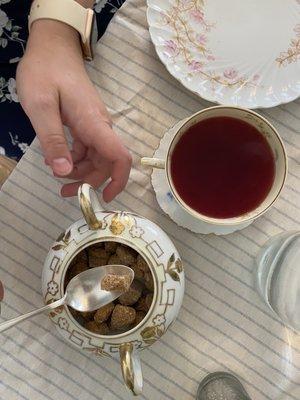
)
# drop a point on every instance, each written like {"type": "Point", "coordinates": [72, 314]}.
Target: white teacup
{"type": "Point", "coordinates": [252, 118]}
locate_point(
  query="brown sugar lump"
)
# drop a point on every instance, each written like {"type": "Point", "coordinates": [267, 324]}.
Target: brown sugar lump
{"type": "Point", "coordinates": [132, 295]}
{"type": "Point", "coordinates": [141, 304]}
{"type": "Point", "coordinates": [82, 256]}
{"type": "Point", "coordinates": [148, 281]}
{"type": "Point", "coordinates": [144, 303]}
{"type": "Point", "coordinates": [100, 329]}
{"type": "Point", "coordinates": [140, 315]}
{"type": "Point", "coordinates": [138, 273]}
{"type": "Point", "coordinates": [87, 315]}
{"type": "Point", "coordinates": [76, 314]}
{"type": "Point", "coordinates": [78, 265]}
{"type": "Point", "coordinates": [141, 264]}
{"type": "Point", "coordinates": [114, 260]}
{"type": "Point", "coordinates": [113, 282]}
{"type": "Point", "coordinates": [127, 255]}
{"type": "Point", "coordinates": [110, 247]}
{"type": "Point", "coordinates": [149, 298]}
{"type": "Point", "coordinates": [103, 313]}
{"type": "Point", "coordinates": [98, 257]}
{"type": "Point", "coordinates": [122, 317]}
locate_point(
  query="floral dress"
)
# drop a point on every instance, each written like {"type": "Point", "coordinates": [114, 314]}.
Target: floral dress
{"type": "Point", "coordinates": [16, 132]}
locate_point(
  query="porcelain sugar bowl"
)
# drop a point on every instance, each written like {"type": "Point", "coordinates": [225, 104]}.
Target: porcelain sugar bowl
{"type": "Point", "coordinates": [165, 266]}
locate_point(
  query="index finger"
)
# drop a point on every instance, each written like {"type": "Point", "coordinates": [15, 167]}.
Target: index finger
{"type": "Point", "coordinates": [119, 177]}
{"type": "Point", "coordinates": [109, 146]}
{"type": "Point", "coordinates": [46, 121]}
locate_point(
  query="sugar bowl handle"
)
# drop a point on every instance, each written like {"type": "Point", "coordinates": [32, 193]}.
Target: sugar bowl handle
{"type": "Point", "coordinates": [89, 204]}
{"type": "Point", "coordinates": [131, 368]}
{"type": "Point", "coordinates": [153, 162]}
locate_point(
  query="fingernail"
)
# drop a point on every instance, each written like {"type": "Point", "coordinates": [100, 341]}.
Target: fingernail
{"type": "Point", "coordinates": [62, 166]}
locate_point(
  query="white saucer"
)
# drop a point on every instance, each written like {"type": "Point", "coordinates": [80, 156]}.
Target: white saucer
{"type": "Point", "coordinates": [169, 204]}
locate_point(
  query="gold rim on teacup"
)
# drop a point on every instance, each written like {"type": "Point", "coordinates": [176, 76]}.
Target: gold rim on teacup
{"type": "Point", "coordinates": [263, 126]}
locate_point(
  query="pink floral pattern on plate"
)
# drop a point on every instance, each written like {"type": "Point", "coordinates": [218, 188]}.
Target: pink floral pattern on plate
{"type": "Point", "coordinates": [171, 48]}
{"type": "Point", "coordinates": [199, 43]}
{"type": "Point", "coordinates": [292, 54]}
{"type": "Point", "coordinates": [192, 44]}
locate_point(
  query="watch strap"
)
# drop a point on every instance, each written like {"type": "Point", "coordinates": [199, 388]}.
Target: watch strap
{"type": "Point", "coordinates": [68, 11]}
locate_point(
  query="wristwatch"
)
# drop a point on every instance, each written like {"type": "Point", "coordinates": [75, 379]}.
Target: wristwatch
{"type": "Point", "coordinates": [70, 12]}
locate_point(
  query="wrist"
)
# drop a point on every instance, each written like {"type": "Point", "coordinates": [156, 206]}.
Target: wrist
{"type": "Point", "coordinates": [47, 33]}
{"type": "Point", "coordinates": [61, 19]}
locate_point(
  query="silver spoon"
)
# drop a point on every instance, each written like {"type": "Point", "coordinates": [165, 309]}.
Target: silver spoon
{"type": "Point", "coordinates": [83, 293]}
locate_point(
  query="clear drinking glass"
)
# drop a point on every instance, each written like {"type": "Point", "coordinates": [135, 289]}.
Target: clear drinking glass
{"type": "Point", "coordinates": [277, 276]}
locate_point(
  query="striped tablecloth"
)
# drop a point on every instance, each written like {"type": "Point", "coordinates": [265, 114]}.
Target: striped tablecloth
{"type": "Point", "coordinates": [223, 325]}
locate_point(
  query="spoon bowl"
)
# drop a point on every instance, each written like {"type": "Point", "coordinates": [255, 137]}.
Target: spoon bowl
{"type": "Point", "coordinates": [84, 292]}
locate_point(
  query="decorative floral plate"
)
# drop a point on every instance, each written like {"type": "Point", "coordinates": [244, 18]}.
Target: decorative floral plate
{"type": "Point", "coordinates": [168, 203]}
{"type": "Point", "coordinates": [244, 53]}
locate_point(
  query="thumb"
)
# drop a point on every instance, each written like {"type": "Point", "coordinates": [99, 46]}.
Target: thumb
{"type": "Point", "coordinates": [46, 121]}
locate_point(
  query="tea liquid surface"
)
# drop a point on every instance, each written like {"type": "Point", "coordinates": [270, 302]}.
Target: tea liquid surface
{"type": "Point", "coordinates": [222, 167]}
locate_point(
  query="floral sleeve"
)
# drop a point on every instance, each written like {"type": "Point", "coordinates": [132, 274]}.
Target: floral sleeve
{"type": "Point", "coordinates": [105, 10]}
{"type": "Point", "coordinates": [16, 130]}
{"type": "Point", "coordinates": [13, 29]}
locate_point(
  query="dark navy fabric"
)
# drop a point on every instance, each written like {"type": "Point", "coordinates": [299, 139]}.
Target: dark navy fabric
{"type": "Point", "coordinates": [16, 132]}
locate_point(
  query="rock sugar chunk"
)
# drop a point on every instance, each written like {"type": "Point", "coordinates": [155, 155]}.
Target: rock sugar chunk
{"type": "Point", "coordinates": [114, 282]}
{"type": "Point", "coordinates": [138, 273]}
{"type": "Point", "coordinates": [126, 255]}
{"type": "Point", "coordinates": [140, 315]}
{"type": "Point", "coordinates": [114, 259]}
{"type": "Point", "coordinates": [140, 268]}
{"type": "Point", "coordinates": [141, 264]}
{"type": "Point", "coordinates": [122, 317]}
{"type": "Point", "coordinates": [87, 315]}
{"type": "Point", "coordinates": [82, 256]}
{"type": "Point", "coordinates": [103, 313]}
{"type": "Point", "coordinates": [110, 247]}
{"type": "Point", "coordinates": [100, 329]}
{"type": "Point", "coordinates": [148, 281]}
{"type": "Point", "coordinates": [98, 257]}
{"type": "Point", "coordinates": [132, 295]}
{"type": "Point", "coordinates": [144, 303]}
{"type": "Point", "coordinates": [77, 266]}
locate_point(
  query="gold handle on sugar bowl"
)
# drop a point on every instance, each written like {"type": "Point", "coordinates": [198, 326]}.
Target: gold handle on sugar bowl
{"type": "Point", "coordinates": [153, 162]}
{"type": "Point", "coordinates": [89, 204]}
{"type": "Point", "coordinates": [131, 368]}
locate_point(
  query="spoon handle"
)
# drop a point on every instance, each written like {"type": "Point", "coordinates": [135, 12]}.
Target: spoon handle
{"type": "Point", "coordinates": [14, 321]}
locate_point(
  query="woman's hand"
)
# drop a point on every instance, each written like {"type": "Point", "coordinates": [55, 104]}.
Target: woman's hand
{"type": "Point", "coordinates": [54, 89]}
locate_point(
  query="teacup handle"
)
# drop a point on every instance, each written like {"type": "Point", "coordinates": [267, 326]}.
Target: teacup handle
{"type": "Point", "coordinates": [153, 162]}
{"type": "Point", "coordinates": [131, 368]}
{"type": "Point", "coordinates": [89, 204]}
